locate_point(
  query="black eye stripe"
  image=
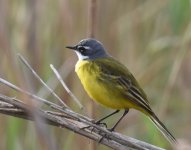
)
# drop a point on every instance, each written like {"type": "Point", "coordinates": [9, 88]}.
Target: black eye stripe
{"type": "Point", "coordinates": [81, 49]}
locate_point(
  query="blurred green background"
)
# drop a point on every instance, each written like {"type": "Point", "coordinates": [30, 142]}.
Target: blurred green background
{"type": "Point", "coordinates": [152, 38]}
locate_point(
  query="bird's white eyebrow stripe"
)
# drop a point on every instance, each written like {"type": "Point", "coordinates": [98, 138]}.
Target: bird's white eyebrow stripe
{"type": "Point", "coordinates": [82, 40]}
{"type": "Point", "coordinates": [86, 47]}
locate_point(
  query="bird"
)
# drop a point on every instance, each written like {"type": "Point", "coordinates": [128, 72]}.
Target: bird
{"type": "Point", "coordinates": [109, 83]}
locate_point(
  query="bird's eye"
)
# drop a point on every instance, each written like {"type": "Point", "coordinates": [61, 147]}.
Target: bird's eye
{"type": "Point", "coordinates": [81, 49]}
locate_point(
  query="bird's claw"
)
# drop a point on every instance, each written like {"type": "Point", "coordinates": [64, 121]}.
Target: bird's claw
{"type": "Point", "coordinates": [105, 135]}
{"type": "Point", "coordinates": [102, 124]}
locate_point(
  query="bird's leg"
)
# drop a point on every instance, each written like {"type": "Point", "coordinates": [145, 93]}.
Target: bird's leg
{"type": "Point", "coordinates": [100, 120]}
{"type": "Point", "coordinates": [113, 128]}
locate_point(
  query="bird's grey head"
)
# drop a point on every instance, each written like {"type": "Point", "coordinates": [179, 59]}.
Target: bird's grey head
{"type": "Point", "coordinates": [89, 49]}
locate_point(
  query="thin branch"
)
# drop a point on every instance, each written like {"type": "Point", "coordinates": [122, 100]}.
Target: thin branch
{"type": "Point", "coordinates": [91, 33]}
{"type": "Point", "coordinates": [64, 71]}
{"type": "Point", "coordinates": [65, 86]}
{"type": "Point", "coordinates": [92, 22]}
{"type": "Point", "coordinates": [16, 88]}
{"type": "Point", "coordinates": [16, 108]}
{"type": "Point", "coordinates": [48, 103]}
{"type": "Point", "coordinates": [41, 81]}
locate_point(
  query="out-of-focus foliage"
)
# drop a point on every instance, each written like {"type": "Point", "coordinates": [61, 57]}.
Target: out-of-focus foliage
{"type": "Point", "coordinates": [152, 38]}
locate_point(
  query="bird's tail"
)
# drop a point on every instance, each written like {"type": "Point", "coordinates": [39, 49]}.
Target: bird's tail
{"type": "Point", "coordinates": [162, 129]}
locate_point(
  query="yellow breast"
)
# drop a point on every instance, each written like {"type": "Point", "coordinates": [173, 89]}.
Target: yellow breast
{"type": "Point", "coordinates": [89, 74]}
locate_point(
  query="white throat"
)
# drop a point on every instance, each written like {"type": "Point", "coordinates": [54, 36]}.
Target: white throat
{"type": "Point", "coordinates": [80, 56]}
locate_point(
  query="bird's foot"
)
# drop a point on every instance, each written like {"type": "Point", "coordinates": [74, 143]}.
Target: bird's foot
{"type": "Point", "coordinates": [101, 124]}
{"type": "Point", "coordinates": [105, 135]}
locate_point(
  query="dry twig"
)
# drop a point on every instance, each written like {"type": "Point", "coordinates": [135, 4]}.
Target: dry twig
{"type": "Point", "coordinates": [41, 81]}
{"type": "Point", "coordinates": [65, 86]}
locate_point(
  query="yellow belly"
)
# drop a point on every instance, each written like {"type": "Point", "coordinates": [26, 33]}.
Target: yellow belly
{"type": "Point", "coordinates": [88, 73]}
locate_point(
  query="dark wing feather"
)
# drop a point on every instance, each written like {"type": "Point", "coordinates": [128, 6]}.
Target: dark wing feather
{"type": "Point", "coordinates": [113, 71]}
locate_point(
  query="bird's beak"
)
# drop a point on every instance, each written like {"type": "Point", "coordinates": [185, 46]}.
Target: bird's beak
{"type": "Point", "coordinates": [72, 47]}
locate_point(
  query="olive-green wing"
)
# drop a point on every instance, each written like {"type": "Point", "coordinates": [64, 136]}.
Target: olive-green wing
{"type": "Point", "coordinates": [116, 73]}
{"type": "Point", "coordinates": [112, 71]}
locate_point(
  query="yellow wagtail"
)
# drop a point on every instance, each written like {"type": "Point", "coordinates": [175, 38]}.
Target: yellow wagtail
{"type": "Point", "coordinates": [111, 84]}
